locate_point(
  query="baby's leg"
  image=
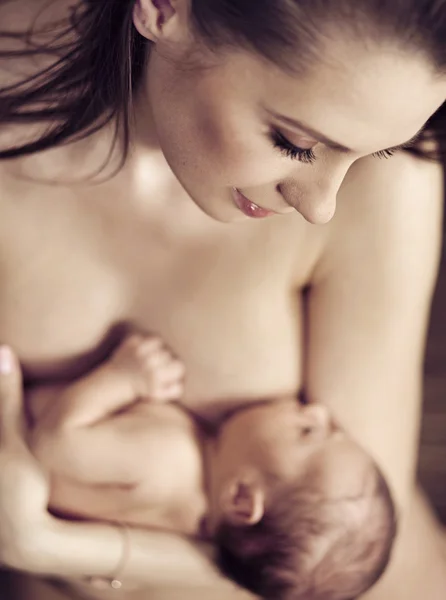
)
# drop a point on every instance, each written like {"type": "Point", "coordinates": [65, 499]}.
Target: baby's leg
{"type": "Point", "coordinates": [141, 368]}
{"type": "Point", "coordinates": [80, 436]}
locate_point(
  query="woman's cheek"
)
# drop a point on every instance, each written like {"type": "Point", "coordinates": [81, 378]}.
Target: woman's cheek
{"type": "Point", "coordinates": [247, 160]}
{"type": "Point", "coordinates": [249, 169]}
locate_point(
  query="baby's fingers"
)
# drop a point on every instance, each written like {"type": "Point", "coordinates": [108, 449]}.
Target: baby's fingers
{"type": "Point", "coordinates": [11, 398]}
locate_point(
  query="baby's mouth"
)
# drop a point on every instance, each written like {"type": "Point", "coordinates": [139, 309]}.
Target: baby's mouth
{"type": "Point", "coordinates": [203, 529]}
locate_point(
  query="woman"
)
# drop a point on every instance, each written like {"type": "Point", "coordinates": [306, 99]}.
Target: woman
{"type": "Point", "coordinates": [192, 123]}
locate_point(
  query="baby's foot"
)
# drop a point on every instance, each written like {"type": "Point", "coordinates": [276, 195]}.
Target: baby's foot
{"type": "Point", "coordinates": [158, 375]}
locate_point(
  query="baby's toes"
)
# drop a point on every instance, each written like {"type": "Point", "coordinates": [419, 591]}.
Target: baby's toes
{"type": "Point", "coordinates": [158, 372]}
{"type": "Point", "coordinates": [168, 381]}
{"type": "Point", "coordinates": [173, 372]}
{"type": "Point", "coordinates": [129, 352]}
{"type": "Point", "coordinates": [172, 391]}
{"type": "Point", "coordinates": [156, 361]}
{"type": "Point", "coordinates": [148, 346]}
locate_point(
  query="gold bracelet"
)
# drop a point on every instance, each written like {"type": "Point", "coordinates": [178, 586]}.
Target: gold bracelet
{"type": "Point", "coordinates": [115, 580]}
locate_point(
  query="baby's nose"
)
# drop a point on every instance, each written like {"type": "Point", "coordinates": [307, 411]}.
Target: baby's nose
{"type": "Point", "coordinates": [319, 419]}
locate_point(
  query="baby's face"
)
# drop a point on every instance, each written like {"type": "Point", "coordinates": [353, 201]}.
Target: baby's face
{"type": "Point", "coordinates": [264, 447]}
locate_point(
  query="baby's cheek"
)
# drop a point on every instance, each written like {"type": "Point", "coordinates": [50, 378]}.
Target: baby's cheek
{"type": "Point", "coordinates": [211, 522]}
{"type": "Point", "coordinates": [214, 515]}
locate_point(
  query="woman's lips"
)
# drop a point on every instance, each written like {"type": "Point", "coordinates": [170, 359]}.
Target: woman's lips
{"type": "Point", "coordinates": [249, 208]}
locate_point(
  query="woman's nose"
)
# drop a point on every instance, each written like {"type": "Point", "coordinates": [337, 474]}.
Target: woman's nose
{"type": "Point", "coordinates": [315, 197]}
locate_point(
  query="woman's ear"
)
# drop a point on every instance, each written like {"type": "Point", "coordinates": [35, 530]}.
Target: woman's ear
{"type": "Point", "coordinates": [243, 501]}
{"type": "Point", "coordinates": [154, 18]}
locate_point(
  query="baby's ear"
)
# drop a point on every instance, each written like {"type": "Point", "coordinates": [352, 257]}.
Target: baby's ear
{"type": "Point", "coordinates": [243, 501]}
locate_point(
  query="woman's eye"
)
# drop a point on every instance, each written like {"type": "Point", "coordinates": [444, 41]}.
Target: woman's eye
{"type": "Point", "coordinates": [384, 154]}
{"type": "Point", "coordinates": [305, 155]}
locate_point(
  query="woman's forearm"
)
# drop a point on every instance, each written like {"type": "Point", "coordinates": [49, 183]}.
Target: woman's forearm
{"type": "Point", "coordinates": [79, 550]}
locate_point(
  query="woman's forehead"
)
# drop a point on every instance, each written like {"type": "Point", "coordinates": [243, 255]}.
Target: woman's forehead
{"type": "Point", "coordinates": [363, 97]}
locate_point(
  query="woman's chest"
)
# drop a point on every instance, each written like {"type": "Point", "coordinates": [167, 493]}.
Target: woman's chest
{"type": "Point", "coordinates": [224, 303]}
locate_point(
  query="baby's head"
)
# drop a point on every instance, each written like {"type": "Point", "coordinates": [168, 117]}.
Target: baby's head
{"type": "Point", "coordinates": [297, 508]}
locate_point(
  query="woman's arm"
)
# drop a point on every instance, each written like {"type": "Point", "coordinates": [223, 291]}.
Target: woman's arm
{"type": "Point", "coordinates": [368, 313]}
{"type": "Point", "coordinates": [369, 306]}
{"type": "Point", "coordinates": [34, 541]}
{"type": "Point", "coordinates": [78, 550]}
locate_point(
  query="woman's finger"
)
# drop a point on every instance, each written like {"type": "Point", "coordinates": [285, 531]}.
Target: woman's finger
{"type": "Point", "coordinates": [11, 397]}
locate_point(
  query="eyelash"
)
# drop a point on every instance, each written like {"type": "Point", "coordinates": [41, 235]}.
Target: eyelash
{"type": "Point", "coordinates": [290, 150]}
{"type": "Point", "coordinates": [384, 154]}
{"type": "Point", "coordinates": [307, 155]}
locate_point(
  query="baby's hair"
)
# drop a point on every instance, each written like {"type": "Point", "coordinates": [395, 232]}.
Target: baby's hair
{"type": "Point", "coordinates": [308, 547]}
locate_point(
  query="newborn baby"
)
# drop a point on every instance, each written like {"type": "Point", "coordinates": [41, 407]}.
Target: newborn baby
{"type": "Point", "coordinates": [296, 508]}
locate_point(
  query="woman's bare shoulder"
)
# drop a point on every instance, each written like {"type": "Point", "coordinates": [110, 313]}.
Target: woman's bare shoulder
{"type": "Point", "coordinates": [390, 186]}
{"type": "Point", "coordinates": [393, 202]}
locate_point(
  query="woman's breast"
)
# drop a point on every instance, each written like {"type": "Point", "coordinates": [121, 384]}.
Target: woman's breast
{"type": "Point", "coordinates": [66, 300]}
{"type": "Point", "coordinates": [234, 347]}
{"type": "Point", "coordinates": [238, 347]}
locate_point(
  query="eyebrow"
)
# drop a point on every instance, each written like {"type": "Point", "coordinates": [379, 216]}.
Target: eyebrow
{"type": "Point", "coordinates": [320, 137]}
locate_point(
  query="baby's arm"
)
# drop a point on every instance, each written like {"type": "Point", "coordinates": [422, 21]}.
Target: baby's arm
{"type": "Point", "coordinates": [78, 436]}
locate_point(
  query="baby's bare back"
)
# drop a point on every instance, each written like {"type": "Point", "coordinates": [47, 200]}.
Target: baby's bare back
{"type": "Point", "coordinates": [153, 444]}
{"type": "Point", "coordinates": [116, 430]}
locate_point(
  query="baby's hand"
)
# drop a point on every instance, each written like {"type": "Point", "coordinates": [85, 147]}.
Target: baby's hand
{"type": "Point", "coordinates": [158, 373]}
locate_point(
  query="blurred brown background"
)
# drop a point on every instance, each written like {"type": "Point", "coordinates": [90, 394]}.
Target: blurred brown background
{"type": "Point", "coordinates": [432, 465]}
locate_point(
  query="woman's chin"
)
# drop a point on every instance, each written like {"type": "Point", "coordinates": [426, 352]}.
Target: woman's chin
{"type": "Point", "coordinates": [220, 212]}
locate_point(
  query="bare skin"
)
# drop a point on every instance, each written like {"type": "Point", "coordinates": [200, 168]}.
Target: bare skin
{"type": "Point", "coordinates": [117, 426]}
{"type": "Point", "coordinates": [123, 425]}
{"type": "Point", "coordinates": [55, 341]}
{"type": "Point", "coordinates": [77, 260]}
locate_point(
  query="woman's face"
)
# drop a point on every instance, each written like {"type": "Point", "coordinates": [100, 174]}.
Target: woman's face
{"type": "Point", "coordinates": [285, 141]}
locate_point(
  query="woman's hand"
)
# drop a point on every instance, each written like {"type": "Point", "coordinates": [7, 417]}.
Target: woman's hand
{"type": "Point", "coordinates": [24, 487]}
{"type": "Point", "coordinates": [32, 540]}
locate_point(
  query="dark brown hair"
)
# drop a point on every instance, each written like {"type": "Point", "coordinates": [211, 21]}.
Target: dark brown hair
{"type": "Point", "coordinates": [99, 56]}
{"type": "Point", "coordinates": [275, 558]}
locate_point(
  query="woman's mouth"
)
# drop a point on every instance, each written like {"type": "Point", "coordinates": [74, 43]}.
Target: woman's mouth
{"type": "Point", "coordinates": [249, 208]}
